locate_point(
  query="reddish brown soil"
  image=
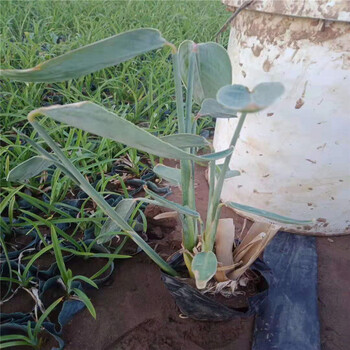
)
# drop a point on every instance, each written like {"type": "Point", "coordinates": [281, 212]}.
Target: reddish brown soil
{"type": "Point", "coordinates": [135, 311]}
{"type": "Point", "coordinates": [87, 267]}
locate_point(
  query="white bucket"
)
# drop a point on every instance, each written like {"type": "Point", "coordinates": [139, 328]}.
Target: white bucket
{"type": "Point", "coordinates": [295, 156]}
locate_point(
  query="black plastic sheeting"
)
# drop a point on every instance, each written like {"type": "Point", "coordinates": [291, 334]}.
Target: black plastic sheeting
{"type": "Point", "coordinates": [200, 307]}
{"type": "Point", "coordinates": [288, 320]}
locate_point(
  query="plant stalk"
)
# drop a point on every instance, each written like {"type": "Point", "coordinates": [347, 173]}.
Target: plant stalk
{"type": "Point", "coordinates": [215, 200]}
{"type": "Point", "coordinates": [178, 93]}
{"type": "Point", "coordinates": [185, 126]}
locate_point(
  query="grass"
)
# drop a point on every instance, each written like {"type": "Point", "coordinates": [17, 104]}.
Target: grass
{"type": "Point", "coordinates": [141, 90]}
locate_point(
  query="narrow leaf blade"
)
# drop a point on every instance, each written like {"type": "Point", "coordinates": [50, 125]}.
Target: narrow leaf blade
{"type": "Point", "coordinates": [85, 299]}
{"type": "Point", "coordinates": [12, 344]}
{"type": "Point", "coordinates": [232, 173]}
{"type": "Point", "coordinates": [90, 58]}
{"type": "Point", "coordinates": [229, 173]}
{"type": "Point", "coordinates": [171, 205]}
{"type": "Point", "coordinates": [267, 214]}
{"type": "Point", "coordinates": [86, 280]}
{"type": "Point", "coordinates": [46, 314]}
{"type": "Point", "coordinates": [217, 155]}
{"type": "Point", "coordinates": [185, 140]}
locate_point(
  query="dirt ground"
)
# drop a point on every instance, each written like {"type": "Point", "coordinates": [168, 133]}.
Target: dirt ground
{"type": "Point", "coordinates": [135, 311]}
{"type": "Point", "coordinates": [334, 292]}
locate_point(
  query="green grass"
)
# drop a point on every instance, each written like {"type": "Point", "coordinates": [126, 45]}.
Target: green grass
{"type": "Point", "coordinates": [141, 90]}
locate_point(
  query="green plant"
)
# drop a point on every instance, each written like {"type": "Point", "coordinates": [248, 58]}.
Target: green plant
{"type": "Point", "coordinates": [32, 338]}
{"type": "Point", "coordinates": [205, 71]}
{"type": "Point", "coordinates": [67, 277]}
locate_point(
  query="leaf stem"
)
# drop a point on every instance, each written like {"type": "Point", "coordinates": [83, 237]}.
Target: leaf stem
{"type": "Point", "coordinates": [178, 93]}
{"type": "Point", "coordinates": [215, 200]}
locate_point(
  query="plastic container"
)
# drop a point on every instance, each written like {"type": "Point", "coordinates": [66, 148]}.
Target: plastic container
{"type": "Point", "coordinates": [295, 156]}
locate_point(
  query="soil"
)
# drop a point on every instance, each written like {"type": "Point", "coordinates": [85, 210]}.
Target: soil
{"type": "Point", "coordinates": [17, 241]}
{"type": "Point", "coordinates": [87, 267]}
{"type": "Point", "coordinates": [137, 312]}
{"type": "Point", "coordinates": [334, 291]}
{"type": "Point", "coordinates": [20, 302]}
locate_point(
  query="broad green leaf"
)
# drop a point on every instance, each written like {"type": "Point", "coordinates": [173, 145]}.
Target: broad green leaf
{"type": "Point", "coordinates": [95, 119]}
{"type": "Point", "coordinates": [267, 214]}
{"type": "Point", "coordinates": [185, 140]}
{"type": "Point", "coordinates": [124, 209]}
{"type": "Point", "coordinates": [214, 109]}
{"type": "Point", "coordinates": [168, 204]}
{"type": "Point", "coordinates": [265, 94]}
{"type": "Point", "coordinates": [173, 175]}
{"type": "Point", "coordinates": [204, 266]}
{"type": "Point", "coordinates": [85, 299]}
{"type": "Point", "coordinates": [29, 168]}
{"type": "Point", "coordinates": [106, 208]}
{"type": "Point", "coordinates": [90, 58]}
{"type": "Point", "coordinates": [239, 98]}
{"type": "Point", "coordinates": [212, 68]}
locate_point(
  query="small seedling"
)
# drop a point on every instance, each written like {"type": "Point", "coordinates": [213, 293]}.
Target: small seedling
{"type": "Point", "coordinates": [32, 339]}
